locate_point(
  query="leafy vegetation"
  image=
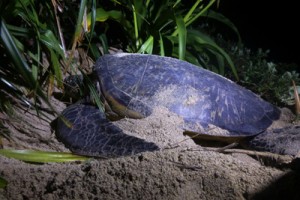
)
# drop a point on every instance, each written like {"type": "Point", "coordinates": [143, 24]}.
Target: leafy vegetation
{"type": "Point", "coordinates": [39, 38]}
{"type": "Point", "coordinates": [167, 28]}
{"type": "Point", "coordinates": [30, 52]}
{"type": "Point", "coordinates": [272, 81]}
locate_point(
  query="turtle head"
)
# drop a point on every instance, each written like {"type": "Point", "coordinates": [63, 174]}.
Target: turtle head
{"type": "Point", "coordinates": [85, 88]}
{"type": "Point", "coordinates": [74, 87]}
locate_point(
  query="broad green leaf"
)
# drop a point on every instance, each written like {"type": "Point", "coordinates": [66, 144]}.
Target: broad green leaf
{"type": "Point", "coordinates": [147, 47]}
{"type": "Point", "coordinates": [103, 15]}
{"type": "Point", "coordinates": [41, 156]}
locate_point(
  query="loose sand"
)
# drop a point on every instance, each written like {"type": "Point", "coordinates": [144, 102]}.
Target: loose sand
{"type": "Point", "coordinates": [183, 170]}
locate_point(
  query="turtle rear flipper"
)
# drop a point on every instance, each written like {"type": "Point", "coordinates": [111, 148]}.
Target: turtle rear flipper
{"type": "Point", "coordinates": [86, 131]}
{"type": "Point", "coordinates": [281, 141]}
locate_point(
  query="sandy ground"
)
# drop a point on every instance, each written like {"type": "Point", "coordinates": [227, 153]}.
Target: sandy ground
{"type": "Point", "coordinates": [183, 170]}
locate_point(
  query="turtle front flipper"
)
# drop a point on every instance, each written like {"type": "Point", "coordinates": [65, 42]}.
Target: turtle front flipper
{"type": "Point", "coordinates": [281, 141]}
{"type": "Point", "coordinates": [86, 131]}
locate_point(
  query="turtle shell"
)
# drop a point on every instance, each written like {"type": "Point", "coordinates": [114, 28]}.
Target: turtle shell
{"type": "Point", "coordinates": [134, 84]}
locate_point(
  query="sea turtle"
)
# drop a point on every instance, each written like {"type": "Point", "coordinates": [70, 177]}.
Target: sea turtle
{"type": "Point", "coordinates": [132, 85]}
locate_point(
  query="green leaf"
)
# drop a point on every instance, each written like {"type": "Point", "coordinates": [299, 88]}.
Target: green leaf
{"type": "Point", "coordinates": [189, 14]}
{"type": "Point", "coordinates": [136, 27]}
{"type": "Point", "coordinates": [18, 31]}
{"type": "Point", "coordinates": [41, 156]}
{"type": "Point", "coordinates": [140, 12]}
{"type": "Point", "coordinates": [56, 67]}
{"type": "Point", "coordinates": [201, 12]}
{"type": "Point", "coordinates": [181, 29]}
{"type": "Point", "coordinates": [103, 15]}
{"type": "Point", "coordinates": [51, 42]}
{"type": "Point", "coordinates": [92, 17]}
{"type": "Point", "coordinates": [147, 47]}
{"type": "Point", "coordinates": [94, 50]}
{"type": "Point", "coordinates": [161, 44]}
{"type": "Point", "coordinates": [79, 22]}
{"type": "Point", "coordinates": [104, 43]}
{"type": "Point", "coordinates": [34, 71]}
{"type": "Point", "coordinates": [95, 96]}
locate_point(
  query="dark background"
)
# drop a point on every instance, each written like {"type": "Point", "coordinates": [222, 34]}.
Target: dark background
{"type": "Point", "coordinates": [268, 25]}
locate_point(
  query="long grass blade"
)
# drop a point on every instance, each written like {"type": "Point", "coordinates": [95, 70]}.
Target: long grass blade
{"type": "Point", "coordinates": [136, 29]}
{"type": "Point", "coordinates": [17, 31]}
{"type": "Point", "coordinates": [82, 11]}
{"type": "Point", "coordinates": [181, 36]}
{"type": "Point", "coordinates": [104, 43]}
{"type": "Point", "coordinates": [188, 15]}
{"type": "Point", "coordinates": [78, 28]}
{"type": "Point", "coordinates": [161, 45]}
{"type": "Point", "coordinates": [95, 96]}
{"type": "Point", "coordinates": [56, 67]}
{"type": "Point", "coordinates": [93, 15]}
{"type": "Point", "coordinates": [204, 10]}
{"type": "Point", "coordinates": [41, 156]}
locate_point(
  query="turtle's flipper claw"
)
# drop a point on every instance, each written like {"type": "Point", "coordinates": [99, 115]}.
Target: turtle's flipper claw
{"type": "Point", "coordinates": [88, 132]}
